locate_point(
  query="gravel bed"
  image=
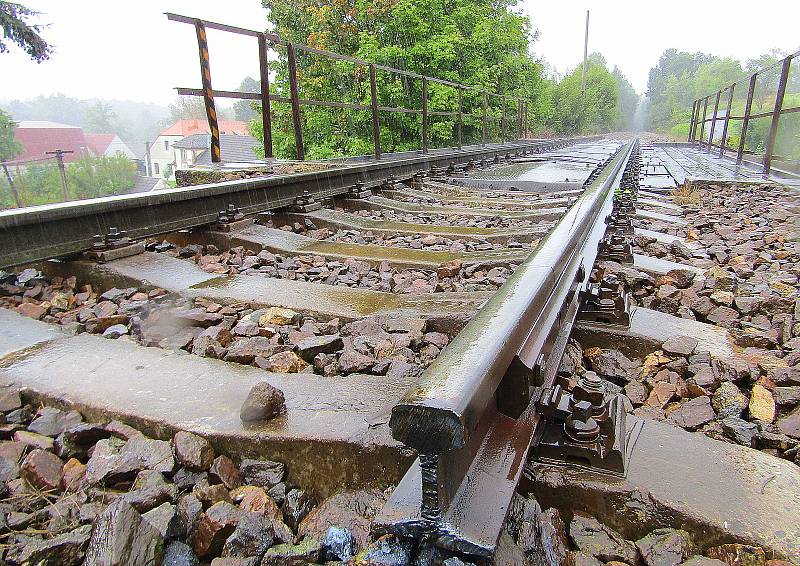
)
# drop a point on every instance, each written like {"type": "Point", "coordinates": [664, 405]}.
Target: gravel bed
{"type": "Point", "coordinates": [453, 275]}
{"type": "Point", "coordinates": [275, 339]}
{"type": "Point", "coordinates": [417, 242]}
{"type": "Point", "coordinates": [750, 287]}
{"type": "Point", "coordinates": [451, 219]}
{"type": "Point", "coordinates": [432, 201]}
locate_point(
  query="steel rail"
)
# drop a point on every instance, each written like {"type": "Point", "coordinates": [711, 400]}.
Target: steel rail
{"type": "Point", "coordinates": [471, 447]}
{"type": "Point", "coordinates": [49, 231]}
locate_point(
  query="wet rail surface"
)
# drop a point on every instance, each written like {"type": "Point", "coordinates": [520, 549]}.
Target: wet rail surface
{"type": "Point", "coordinates": [422, 314]}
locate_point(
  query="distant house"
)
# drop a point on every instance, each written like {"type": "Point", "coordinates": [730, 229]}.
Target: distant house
{"type": "Point", "coordinates": [39, 137]}
{"type": "Point", "coordinates": [196, 149]}
{"type": "Point", "coordinates": [109, 145]}
{"type": "Point", "coordinates": [162, 154]}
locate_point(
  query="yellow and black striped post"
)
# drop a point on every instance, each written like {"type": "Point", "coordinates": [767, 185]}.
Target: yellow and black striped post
{"type": "Point", "coordinates": [208, 92]}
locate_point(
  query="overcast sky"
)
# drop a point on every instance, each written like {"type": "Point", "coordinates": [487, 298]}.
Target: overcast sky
{"type": "Point", "coordinates": [128, 50]}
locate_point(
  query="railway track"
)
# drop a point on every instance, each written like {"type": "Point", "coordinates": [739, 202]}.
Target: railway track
{"type": "Point", "coordinates": [413, 313]}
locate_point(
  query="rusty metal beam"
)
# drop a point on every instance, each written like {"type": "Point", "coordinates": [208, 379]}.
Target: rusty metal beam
{"type": "Point", "coordinates": [208, 91]}
{"type": "Point", "coordinates": [266, 110]}
{"type": "Point", "coordinates": [746, 120]}
{"type": "Point", "coordinates": [296, 117]}
{"type": "Point", "coordinates": [776, 115]}
{"type": "Point", "coordinates": [425, 116]}
{"type": "Point", "coordinates": [727, 119]}
{"type": "Point", "coordinates": [376, 123]}
{"type": "Point", "coordinates": [713, 122]}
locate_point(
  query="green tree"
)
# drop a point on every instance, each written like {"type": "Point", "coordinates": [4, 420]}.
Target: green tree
{"type": "Point", "coordinates": [14, 19]}
{"type": "Point", "coordinates": [243, 109]}
{"type": "Point", "coordinates": [100, 119]}
{"type": "Point", "coordinates": [9, 146]}
{"type": "Point", "coordinates": [591, 111]}
{"type": "Point", "coordinates": [87, 177]}
{"type": "Point", "coordinates": [482, 43]}
{"type": "Point", "coordinates": [627, 99]}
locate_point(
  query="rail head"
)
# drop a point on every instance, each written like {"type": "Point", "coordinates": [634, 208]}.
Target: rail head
{"type": "Point", "coordinates": [438, 412]}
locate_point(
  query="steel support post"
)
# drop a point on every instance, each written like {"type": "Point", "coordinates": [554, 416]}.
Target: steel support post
{"type": "Point", "coordinates": [296, 119]}
{"type": "Point", "coordinates": [208, 91]}
{"type": "Point", "coordinates": [776, 115]}
{"type": "Point", "coordinates": [727, 119]}
{"type": "Point", "coordinates": [425, 117]}
{"type": "Point", "coordinates": [746, 121]}
{"type": "Point", "coordinates": [503, 122]}
{"type": "Point", "coordinates": [703, 123]}
{"type": "Point", "coordinates": [266, 111]}
{"type": "Point", "coordinates": [713, 122]}
{"type": "Point", "coordinates": [690, 137]}
{"type": "Point", "coordinates": [459, 122]}
{"type": "Point", "coordinates": [485, 119]}
{"type": "Point", "coordinates": [376, 121]}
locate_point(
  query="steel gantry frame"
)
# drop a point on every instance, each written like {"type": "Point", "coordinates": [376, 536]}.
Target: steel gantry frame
{"type": "Point", "coordinates": [508, 129]}
{"type": "Point", "coordinates": [774, 115]}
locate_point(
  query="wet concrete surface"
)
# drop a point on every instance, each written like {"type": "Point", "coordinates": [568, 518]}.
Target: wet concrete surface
{"type": "Point", "coordinates": [672, 218]}
{"type": "Point", "coordinates": [337, 219]}
{"type": "Point", "coordinates": [661, 266]}
{"type": "Point", "coordinates": [649, 329]}
{"type": "Point", "coordinates": [477, 201]}
{"type": "Point", "coordinates": [257, 238]}
{"type": "Point", "coordinates": [334, 435]}
{"type": "Point", "coordinates": [718, 492]}
{"type": "Point", "coordinates": [147, 270]}
{"type": "Point", "coordinates": [382, 202]}
{"type": "Point", "coordinates": [666, 238]}
{"type": "Point", "coordinates": [446, 312]}
{"type": "Point", "coordinates": [19, 332]}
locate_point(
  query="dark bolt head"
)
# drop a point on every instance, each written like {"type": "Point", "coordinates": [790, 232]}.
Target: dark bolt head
{"type": "Point", "coordinates": [581, 411]}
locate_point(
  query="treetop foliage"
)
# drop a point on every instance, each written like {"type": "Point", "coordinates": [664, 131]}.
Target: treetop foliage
{"type": "Point", "coordinates": [14, 20]}
{"type": "Point", "coordinates": [9, 146]}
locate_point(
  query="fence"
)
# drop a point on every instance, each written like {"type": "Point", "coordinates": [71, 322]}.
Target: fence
{"type": "Point", "coordinates": [511, 117]}
{"type": "Point", "coordinates": [772, 132]}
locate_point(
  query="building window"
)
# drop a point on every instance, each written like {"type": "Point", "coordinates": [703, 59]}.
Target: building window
{"type": "Point", "coordinates": [166, 145]}
{"type": "Point", "coordinates": [155, 168]}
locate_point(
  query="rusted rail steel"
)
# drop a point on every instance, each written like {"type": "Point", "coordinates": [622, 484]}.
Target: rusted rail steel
{"type": "Point", "coordinates": [43, 232]}
{"type": "Point", "coordinates": [472, 414]}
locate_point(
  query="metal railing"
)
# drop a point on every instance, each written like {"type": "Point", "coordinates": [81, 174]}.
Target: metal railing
{"type": "Point", "coordinates": [266, 39]}
{"type": "Point", "coordinates": [702, 106]}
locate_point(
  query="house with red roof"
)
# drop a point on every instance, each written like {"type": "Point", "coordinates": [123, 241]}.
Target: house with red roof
{"type": "Point", "coordinates": [163, 155]}
{"type": "Point", "coordinates": [108, 145]}
{"type": "Point", "coordinates": [38, 137]}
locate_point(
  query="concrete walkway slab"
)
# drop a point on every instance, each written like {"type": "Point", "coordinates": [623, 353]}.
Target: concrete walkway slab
{"type": "Point", "coordinates": [642, 213]}
{"type": "Point", "coordinates": [19, 332]}
{"type": "Point", "coordinates": [649, 329]}
{"type": "Point", "coordinates": [662, 266]}
{"type": "Point", "coordinates": [340, 220]}
{"type": "Point", "coordinates": [390, 204]}
{"type": "Point", "coordinates": [446, 312]}
{"type": "Point", "coordinates": [256, 237]}
{"type": "Point", "coordinates": [478, 201]}
{"type": "Point", "coordinates": [334, 435]}
{"type": "Point", "coordinates": [719, 492]}
{"type": "Point", "coordinates": [659, 204]}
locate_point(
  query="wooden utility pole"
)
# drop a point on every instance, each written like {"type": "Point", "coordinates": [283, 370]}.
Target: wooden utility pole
{"type": "Point", "coordinates": [11, 184]}
{"type": "Point", "coordinates": [59, 153]}
{"type": "Point", "coordinates": [585, 53]}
